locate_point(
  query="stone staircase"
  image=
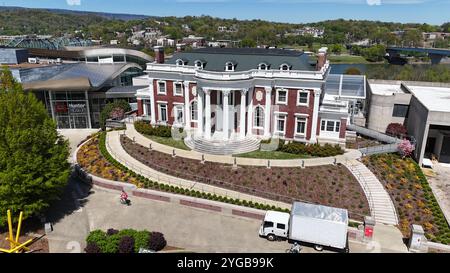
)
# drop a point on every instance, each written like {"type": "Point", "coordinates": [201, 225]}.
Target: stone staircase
{"type": "Point", "coordinates": [381, 205]}
{"type": "Point", "coordinates": [220, 147]}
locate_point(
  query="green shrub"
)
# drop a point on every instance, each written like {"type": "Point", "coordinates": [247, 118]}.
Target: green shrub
{"type": "Point", "coordinates": [146, 128]}
{"type": "Point", "coordinates": [141, 240]}
{"type": "Point", "coordinates": [311, 149]}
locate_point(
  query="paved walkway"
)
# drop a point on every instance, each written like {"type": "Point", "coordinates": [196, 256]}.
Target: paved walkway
{"type": "Point", "coordinates": [381, 205]}
{"type": "Point", "coordinates": [440, 185]}
{"type": "Point", "coordinates": [115, 148]}
{"type": "Point", "coordinates": [227, 159]}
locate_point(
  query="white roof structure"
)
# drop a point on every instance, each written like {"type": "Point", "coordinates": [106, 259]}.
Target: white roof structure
{"type": "Point", "coordinates": [385, 89]}
{"type": "Point", "coordinates": [433, 98]}
{"type": "Point", "coordinates": [277, 216]}
{"type": "Point", "coordinates": [320, 212]}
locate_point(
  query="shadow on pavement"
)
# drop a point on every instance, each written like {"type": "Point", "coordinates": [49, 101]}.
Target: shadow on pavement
{"type": "Point", "coordinates": [73, 198]}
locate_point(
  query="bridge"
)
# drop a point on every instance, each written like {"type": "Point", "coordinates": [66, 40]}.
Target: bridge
{"type": "Point", "coordinates": [435, 54]}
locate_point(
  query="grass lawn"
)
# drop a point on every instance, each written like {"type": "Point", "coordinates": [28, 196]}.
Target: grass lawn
{"type": "Point", "coordinates": [349, 59]}
{"type": "Point", "coordinates": [272, 155]}
{"type": "Point", "coordinates": [179, 144]}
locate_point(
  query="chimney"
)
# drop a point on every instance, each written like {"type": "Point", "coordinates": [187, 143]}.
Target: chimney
{"type": "Point", "coordinates": [321, 58]}
{"type": "Point", "coordinates": [159, 54]}
{"type": "Point", "coordinates": [181, 47]}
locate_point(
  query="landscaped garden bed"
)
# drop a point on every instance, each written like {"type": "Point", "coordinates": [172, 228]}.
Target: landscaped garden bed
{"type": "Point", "coordinates": [161, 134]}
{"type": "Point", "coordinates": [94, 158]}
{"type": "Point", "coordinates": [331, 185]}
{"type": "Point", "coordinates": [124, 241]}
{"type": "Point", "coordinates": [411, 194]}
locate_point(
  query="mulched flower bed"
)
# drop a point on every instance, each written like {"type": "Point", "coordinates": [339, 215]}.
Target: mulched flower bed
{"type": "Point", "coordinates": [327, 185]}
{"type": "Point", "coordinates": [411, 194]}
{"type": "Point", "coordinates": [90, 159]}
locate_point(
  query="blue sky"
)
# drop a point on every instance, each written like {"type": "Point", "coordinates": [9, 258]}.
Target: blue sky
{"type": "Point", "coordinates": [292, 11]}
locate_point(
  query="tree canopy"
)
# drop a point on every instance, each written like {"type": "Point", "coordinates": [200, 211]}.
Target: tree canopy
{"type": "Point", "coordinates": [33, 157]}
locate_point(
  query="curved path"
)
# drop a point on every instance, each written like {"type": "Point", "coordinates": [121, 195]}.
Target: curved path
{"type": "Point", "coordinates": [226, 159]}
{"type": "Point", "coordinates": [116, 150]}
{"type": "Point", "coordinates": [380, 202]}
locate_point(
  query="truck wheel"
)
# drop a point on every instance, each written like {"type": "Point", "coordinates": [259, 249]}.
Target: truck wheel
{"type": "Point", "coordinates": [271, 237]}
{"type": "Point", "coordinates": [318, 247]}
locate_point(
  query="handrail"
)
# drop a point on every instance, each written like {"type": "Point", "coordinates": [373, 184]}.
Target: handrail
{"type": "Point", "coordinates": [198, 180]}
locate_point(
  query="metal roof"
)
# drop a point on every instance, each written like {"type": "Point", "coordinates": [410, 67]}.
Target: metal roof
{"type": "Point", "coordinates": [244, 58]}
{"type": "Point", "coordinates": [350, 86]}
{"type": "Point", "coordinates": [320, 212]}
{"type": "Point", "coordinates": [98, 75]}
{"type": "Point", "coordinates": [123, 91]}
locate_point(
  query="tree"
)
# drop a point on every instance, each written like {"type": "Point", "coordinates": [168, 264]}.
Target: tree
{"type": "Point", "coordinates": [248, 43]}
{"type": "Point", "coordinates": [352, 71]}
{"type": "Point", "coordinates": [337, 48]}
{"type": "Point", "coordinates": [115, 110]}
{"type": "Point", "coordinates": [33, 157]}
{"type": "Point", "coordinates": [405, 148]}
{"type": "Point", "coordinates": [396, 129]}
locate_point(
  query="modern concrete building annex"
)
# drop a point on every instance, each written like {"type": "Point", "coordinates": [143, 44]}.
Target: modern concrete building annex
{"type": "Point", "coordinates": [424, 108]}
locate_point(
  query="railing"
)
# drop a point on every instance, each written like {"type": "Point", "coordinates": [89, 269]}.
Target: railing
{"type": "Point", "coordinates": [111, 123]}
{"type": "Point", "coordinates": [177, 178]}
{"type": "Point", "coordinates": [379, 149]}
{"type": "Point", "coordinates": [364, 185]}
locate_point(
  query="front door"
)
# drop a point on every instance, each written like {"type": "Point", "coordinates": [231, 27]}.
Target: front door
{"type": "Point", "coordinates": [445, 150]}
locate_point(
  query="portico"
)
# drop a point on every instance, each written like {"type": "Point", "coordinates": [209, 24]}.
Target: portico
{"type": "Point", "coordinates": [222, 112]}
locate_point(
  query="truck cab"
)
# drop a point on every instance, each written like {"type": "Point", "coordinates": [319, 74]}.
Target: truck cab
{"type": "Point", "coordinates": [275, 225]}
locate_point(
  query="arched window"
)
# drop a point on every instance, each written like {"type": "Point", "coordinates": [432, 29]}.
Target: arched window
{"type": "Point", "coordinates": [180, 62]}
{"type": "Point", "coordinates": [194, 111]}
{"type": "Point", "coordinates": [259, 117]}
{"type": "Point", "coordinates": [229, 66]}
{"type": "Point", "coordinates": [198, 64]}
{"type": "Point", "coordinates": [263, 66]}
{"type": "Point", "coordinates": [285, 67]}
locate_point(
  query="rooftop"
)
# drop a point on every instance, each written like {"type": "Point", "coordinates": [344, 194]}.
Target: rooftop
{"type": "Point", "coordinates": [386, 89]}
{"type": "Point", "coordinates": [433, 98]}
{"type": "Point", "coordinates": [244, 58]}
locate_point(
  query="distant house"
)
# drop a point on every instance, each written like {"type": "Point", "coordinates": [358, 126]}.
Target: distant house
{"type": "Point", "coordinates": [114, 42]}
{"type": "Point", "coordinates": [194, 41]}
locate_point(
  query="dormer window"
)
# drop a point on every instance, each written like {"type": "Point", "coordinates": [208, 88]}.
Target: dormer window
{"type": "Point", "coordinates": [263, 66]}
{"type": "Point", "coordinates": [198, 64]}
{"type": "Point", "coordinates": [285, 67]}
{"type": "Point", "coordinates": [180, 62]}
{"type": "Point", "coordinates": [229, 66]}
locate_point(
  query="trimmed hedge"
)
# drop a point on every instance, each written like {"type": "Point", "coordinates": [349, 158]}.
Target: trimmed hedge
{"type": "Point", "coordinates": [123, 241]}
{"type": "Point", "coordinates": [146, 128]}
{"type": "Point", "coordinates": [149, 184]}
{"type": "Point", "coordinates": [315, 150]}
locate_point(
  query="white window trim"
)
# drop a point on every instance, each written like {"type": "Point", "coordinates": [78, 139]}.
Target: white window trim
{"type": "Point", "coordinates": [160, 115]}
{"type": "Point", "coordinates": [178, 62]}
{"type": "Point", "coordinates": [181, 107]}
{"type": "Point", "coordinates": [296, 126]}
{"type": "Point", "coordinates": [190, 111]}
{"type": "Point", "coordinates": [277, 117]}
{"type": "Point", "coordinates": [298, 97]}
{"type": "Point", "coordinates": [259, 66]}
{"type": "Point", "coordinates": [159, 90]}
{"type": "Point", "coordinates": [285, 64]}
{"type": "Point", "coordinates": [226, 66]}
{"type": "Point", "coordinates": [174, 89]}
{"type": "Point", "coordinates": [254, 117]}
{"type": "Point", "coordinates": [277, 101]}
{"type": "Point", "coordinates": [198, 66]}
{"type": "Point", "coordinates": [334, 127]}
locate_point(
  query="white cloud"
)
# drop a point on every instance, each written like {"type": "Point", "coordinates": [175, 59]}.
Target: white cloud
{"type": "Point", "coordinates": [73, 2]}
{"type": "Point", "coordinates": [373, 2]}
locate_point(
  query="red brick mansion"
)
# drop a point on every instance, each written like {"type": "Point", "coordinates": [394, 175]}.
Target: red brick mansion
{"type": "Point", "coordinates": [231, 95]}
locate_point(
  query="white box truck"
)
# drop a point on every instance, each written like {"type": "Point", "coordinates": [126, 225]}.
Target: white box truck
{"type": "Point", "coordinates": [315, 224]}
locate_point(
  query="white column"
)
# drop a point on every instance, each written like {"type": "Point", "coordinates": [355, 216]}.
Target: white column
{"type": "Point", "coordinates": [207, 113]}
{"type": "Point", "coordinates": [187, 106]}
{"type": "Point", "coordinates": [225, 114]}
{"type": "Point", "coordinates": [242, 114]}
{"type": "Point", "coordinates": [315, 116]}
{"type": "Point", "coordinates": [250, 113]}
{"type": "Point", "coordinates": [88, 109]}
{"type": "Point", "coordinates": [267, 112]}
{"type": "Point", "coordinates": [50, 94]}
{"type": "Point", "coordinates": [152, 102]}
{"type": "Point", "coordinates": [199, 112]}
